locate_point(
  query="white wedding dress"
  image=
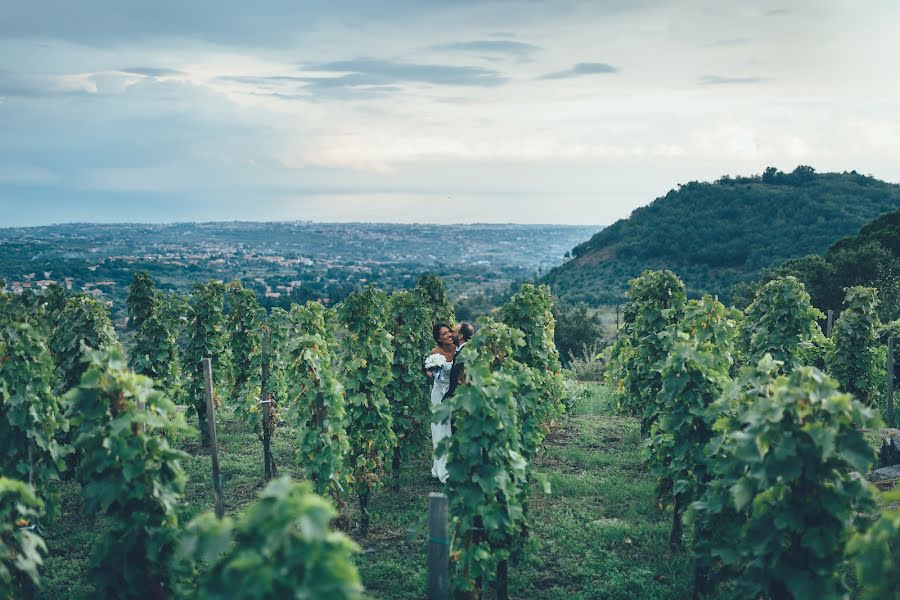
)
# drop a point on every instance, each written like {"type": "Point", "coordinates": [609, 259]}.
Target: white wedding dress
{"type": "Point", "coordinates": [441, 430]}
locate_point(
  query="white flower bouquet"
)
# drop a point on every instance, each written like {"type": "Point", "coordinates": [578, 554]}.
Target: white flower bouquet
{"type": "Point", "coordinates": [435, 362]}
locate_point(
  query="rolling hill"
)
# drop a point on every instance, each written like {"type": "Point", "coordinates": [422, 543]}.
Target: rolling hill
{"type": "Point", "coordinates": [714, 235]}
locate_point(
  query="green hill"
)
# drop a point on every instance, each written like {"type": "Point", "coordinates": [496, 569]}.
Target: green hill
{"type": "Point", "coordinates": [870, 257]}
{"type": "Point", "coordinates": [714, 235]}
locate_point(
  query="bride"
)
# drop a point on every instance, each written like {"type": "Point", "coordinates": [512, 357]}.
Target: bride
{"type": "Point", "coordinates": [443, 335]}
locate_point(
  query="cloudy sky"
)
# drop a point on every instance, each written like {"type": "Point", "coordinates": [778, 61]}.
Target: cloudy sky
{"type": "Point", "coordinates": [533, 111]}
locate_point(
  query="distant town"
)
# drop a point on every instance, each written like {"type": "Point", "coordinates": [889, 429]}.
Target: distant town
{"type": "Point", "coordinates": [282, 262]}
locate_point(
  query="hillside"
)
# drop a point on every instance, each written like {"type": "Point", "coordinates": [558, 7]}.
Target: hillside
{"type": "Point", "coordinates": [870, 257]}
{"type": "Point", "coordinates": [715, 235]}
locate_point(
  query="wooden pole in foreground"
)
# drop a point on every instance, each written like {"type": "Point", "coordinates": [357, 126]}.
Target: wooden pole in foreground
{"type": "Point", "coordinates": [438, 548]}
{"type": "Point", "coordinates": [213, 444]}
{"type": "Point", "coordinates": [266, 401]}
{"type": "Point", "coordinates": [890, 383]}
{"type": "Point", "coordinates": [830, 323]}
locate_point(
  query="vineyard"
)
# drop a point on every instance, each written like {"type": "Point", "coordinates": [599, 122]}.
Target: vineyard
{"type": "Point", "coordinates": [726, 454]}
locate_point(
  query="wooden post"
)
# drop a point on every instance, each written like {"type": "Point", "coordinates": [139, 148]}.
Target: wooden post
{"type": "Point", "coordinates": [830, 324]}
{"type": "Point", "coordinates": [438, 548]}
{"type": "Point", "coordinates": [502, 580]}
{"type": "Point", "coordinates": [890, 383]}
{"type": "Point", "coordinates": [213, 444]}
{"type": "Point", "coordinates": [617, 321]}
{"type": "Point", "coordinates": [266, 402]}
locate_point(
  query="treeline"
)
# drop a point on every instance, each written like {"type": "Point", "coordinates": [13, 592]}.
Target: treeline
{"type": "Point", "coordinates": [349, 382]}
{"type": "Point", "coordinates": [722, 233]}
{"type": "Point", "coordinates": [870, 257]}
{"type": "Point", "coordinates": [752, 423]}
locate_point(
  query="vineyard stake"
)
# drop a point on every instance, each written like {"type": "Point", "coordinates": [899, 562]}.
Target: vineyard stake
{"type": "Point", "coordinates": [213, 444]}
{"type": "Point", "coordinates": [830, 323]}
{"type": "Point", "coordinates": [265, 400]}
{"type": "Point", "coordinates": [438, 548]}
{"type": "Point", "coordinates": [890, 382]}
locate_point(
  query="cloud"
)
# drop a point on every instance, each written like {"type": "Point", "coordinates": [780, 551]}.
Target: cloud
{"type": "Point", "coordinates": [735, 41]}
{"type": "Point", "coordinates": [374, 71]}
{"type": "Point", "coordinates": [152, 71]}
{"type": "Point", "coordinates": [489, 47]}
{"type": "Point", "coordinates": [581, 69]}
{"type": "Point", "coordinates": [777, 12]}
{"type": "Point", "coordinates": [726, 80]}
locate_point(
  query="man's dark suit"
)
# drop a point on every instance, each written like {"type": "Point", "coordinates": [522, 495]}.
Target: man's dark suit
{"type": "Point", "coordinates": [456, 372]}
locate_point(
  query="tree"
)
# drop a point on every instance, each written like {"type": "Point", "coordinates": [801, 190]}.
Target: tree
{"type": "Point", "coordinates": [129, 472]}
{"type": "Point", "coordinates": [281, 546]}
{"type": "Point", "coordinates": [410, 326]}
{"type": "Point", "coordinates": [367, 357]}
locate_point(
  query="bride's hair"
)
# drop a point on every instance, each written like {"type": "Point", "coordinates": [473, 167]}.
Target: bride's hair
{"type": "Point", "coordinates": [436, 331]}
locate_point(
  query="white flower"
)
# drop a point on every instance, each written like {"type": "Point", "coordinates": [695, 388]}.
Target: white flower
{"type": "Point", "coordinates": [435, 361]}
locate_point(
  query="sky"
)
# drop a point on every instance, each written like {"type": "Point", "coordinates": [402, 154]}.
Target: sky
{"type": "Point", "coordinates": [528, 111]}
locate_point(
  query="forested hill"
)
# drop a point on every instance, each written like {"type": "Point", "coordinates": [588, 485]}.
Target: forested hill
{"type": "Point", "coordinates": [717, 234]}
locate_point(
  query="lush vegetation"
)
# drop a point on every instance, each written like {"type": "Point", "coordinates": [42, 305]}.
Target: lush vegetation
{"type": "Point", "coordinates": [742, 446]}
{"type": "Point", "coordinates": [869, 258]}
{"type": "Point", "coordinates": [718, 234]}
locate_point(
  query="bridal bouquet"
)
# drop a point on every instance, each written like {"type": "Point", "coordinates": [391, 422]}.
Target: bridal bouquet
{"type": "Point", "coordinates": [435, 362]}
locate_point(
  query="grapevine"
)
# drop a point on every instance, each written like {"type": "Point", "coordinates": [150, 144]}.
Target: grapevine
{"type": "Point", "coordinates": [207, 340]}
{"type": "Point", "coordinates": [83, 323]}
{"type": "Point", "coordinates": [853, 359]}
{"type": "Point", "coordinates": [129, 472]}
{"type": "Point", "coordinates": [367, 356]}
{"type": "Point", "coordinates": [487, 472]}
{"type": "Point", "coordinates": [281, 546]}
{"type": "Point", "coordinates": [408, 391]}
{"type": "Point", "coordinates": [21, 546]}
{"type": "Point", "coordinates": [655, 302]}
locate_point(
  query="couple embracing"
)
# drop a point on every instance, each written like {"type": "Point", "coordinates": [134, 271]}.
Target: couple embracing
{"type": "Point", "coordinates": [448, 373]}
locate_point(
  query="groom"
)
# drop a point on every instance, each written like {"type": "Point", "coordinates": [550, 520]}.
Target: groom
{"type": "Point", "coordinates": [464, 332]}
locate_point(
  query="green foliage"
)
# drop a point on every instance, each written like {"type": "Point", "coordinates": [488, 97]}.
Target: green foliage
{"type": "Point", "coordinates": [577, 331]}
{"type": "Point", "coordinates": [531, 311]}
{"type": "Point", "coordinates": [435, 295]}
{"type": "Point", "coordinates": [206, 340]}
{"type": "Point", "coordinates": [141, 299]}
{"type": "Point", "coordinates": [367, 357]}
{"type": "Point", "coordinates": [876, 555]}
{"type": "Point", "coordinates": [31, 415]}
{"type": "Point", "coordinates": [129, 472]}
{"type": "Point", "coordinates": [410, 326]}
{"type": "Point", "coordinates": [155, 350]}
{"type": "Point", "coordinates": [487, 472]}
{"type": "Point", "coordinates": [281, 546]}
{"type": "Point", "coordinates": [781, 322]}
{"type": "Point", "coordinates": [655, 302]}
{"type": "Point", "coordinates": [718, 234]}
{"type": "Point", "coordinates": [782, 503]}
{"type": "Point", "coordinates": [317, 408]}
{"type": "Point", "coordinates": [20, 546]}
{"type": "Point", "coordinates": [83, 323]}
{"type": "Point", "coordinates": [695, 373]}
{"type": "Point", "coordinates": [853, 361]}
{"type": "Point", "coordinates": [244, 323]}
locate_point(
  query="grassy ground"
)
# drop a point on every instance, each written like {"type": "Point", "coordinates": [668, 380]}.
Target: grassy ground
{"type": "Point", "coordinates": [598, 535]}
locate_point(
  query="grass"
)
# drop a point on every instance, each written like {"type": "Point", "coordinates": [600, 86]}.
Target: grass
{"type": "Point", "coordinates": [597, 535]}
